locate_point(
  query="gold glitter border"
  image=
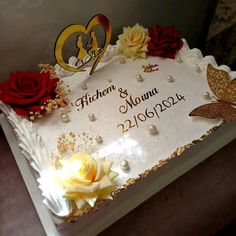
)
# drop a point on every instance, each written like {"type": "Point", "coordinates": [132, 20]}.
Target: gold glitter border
{"type": "Point", "coordinates": [180, 150]}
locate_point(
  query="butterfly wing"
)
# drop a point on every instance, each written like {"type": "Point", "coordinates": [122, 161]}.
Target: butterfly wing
{"type": "Point", "coordinates": [221, 85]}
{"type": "Point", "coordinates": [215, 110]}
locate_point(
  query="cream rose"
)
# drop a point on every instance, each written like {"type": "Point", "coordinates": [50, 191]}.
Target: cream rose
{"type": "Point", "coordinates": [133, 42]}
{"type": "Point", "coordinates": [85, 179]}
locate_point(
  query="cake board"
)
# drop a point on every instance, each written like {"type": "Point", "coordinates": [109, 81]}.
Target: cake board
{"type": "Point", "coordinates": [127, 200]}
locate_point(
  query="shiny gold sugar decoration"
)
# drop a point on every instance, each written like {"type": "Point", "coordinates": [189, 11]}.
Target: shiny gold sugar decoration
{"type": "Point", "coordinates": [150, 68]}
{"type": "Point", "coordinates": [92, 51]}
{"type": "Point", "coordinates": [61, 95]}
{"type": "Point", "coordinates": [48, 68]}
{"type": "Point", "coordinates": [66, 142]}
{"type": "Point", "coordinates": [225, 91]}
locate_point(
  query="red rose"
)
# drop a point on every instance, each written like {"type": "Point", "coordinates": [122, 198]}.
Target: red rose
{"type": "Point", "coordinates": [164, 42]}
{"type": "Point", "coordinates": [27, 91]}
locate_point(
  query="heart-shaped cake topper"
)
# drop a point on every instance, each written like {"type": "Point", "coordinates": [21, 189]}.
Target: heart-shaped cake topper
{"type": "Point", "coordinates": [91, 52]}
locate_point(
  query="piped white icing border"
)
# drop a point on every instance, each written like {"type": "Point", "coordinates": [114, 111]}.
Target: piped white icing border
{"type": "Point", "coordinates": [195, 58]}
{"type": "Point", "coordinates": [40, 159]}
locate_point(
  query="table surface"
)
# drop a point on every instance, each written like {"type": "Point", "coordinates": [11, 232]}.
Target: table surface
{"type": "Point", "coordinates": [204, 199]}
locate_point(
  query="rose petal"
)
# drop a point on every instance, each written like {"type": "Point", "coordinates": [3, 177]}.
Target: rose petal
{"type": "Point", "coordinates": [105, 182]}
{"type": "Point", "coordinates": [26, 91]}
{"type": "Point", "coordinates": [21, 111]}
{"type": "Point", "coordinates": [164, 42]}
{"type": "Point", "coordinates": [82, 188]}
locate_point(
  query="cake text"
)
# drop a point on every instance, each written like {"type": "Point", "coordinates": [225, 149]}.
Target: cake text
{"type": "Point", "coordinates": [131, 102]}
{"type": "Point", "coordinates": [87, 98]}
{"type": "Point", "coordinates": [150, 113]}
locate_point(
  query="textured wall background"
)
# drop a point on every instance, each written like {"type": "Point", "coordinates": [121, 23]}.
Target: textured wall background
{"type": "Point", "coordinates": [29, 27]}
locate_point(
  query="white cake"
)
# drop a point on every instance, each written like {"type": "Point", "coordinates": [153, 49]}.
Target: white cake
{"type": "Point", "coordinates": [134, 119]}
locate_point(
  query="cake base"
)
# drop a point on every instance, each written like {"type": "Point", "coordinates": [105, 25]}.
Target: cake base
{"type": "Point", "coordinates": [127, 200]}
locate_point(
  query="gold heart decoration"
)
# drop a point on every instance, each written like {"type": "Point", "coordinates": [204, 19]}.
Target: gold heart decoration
{"type": "Point", "coordinates": [92, 51]}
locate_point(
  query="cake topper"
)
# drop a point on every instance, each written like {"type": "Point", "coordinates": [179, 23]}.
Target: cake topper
{"type": "Point", "coordinates": [91, 52]}
{"type": "Point", "coordinates": [225, 91]}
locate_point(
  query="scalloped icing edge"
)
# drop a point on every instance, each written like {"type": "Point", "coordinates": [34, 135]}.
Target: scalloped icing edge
{"type": "Point", "coordinates": [34, 149]}
{"type": "Point", "coordinates": [41, 160]}
{"type": "Point", "coordinates": [195, 58]}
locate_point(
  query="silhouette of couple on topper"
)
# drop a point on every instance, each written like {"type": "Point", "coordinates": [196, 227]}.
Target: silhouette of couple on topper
{"type": "Point", "coordinates": [92, 49]}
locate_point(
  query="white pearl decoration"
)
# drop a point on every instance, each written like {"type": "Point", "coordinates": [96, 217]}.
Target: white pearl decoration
{"type": "Point", "coordinates": [92, 117]}
{"type": "Point", "coordinates": [206, 95]}
{"type": "Point", "coordinates": [139, 78]}
{"type": "Point", "coordinates": [178, 59]}
{"type": "Point", "coordinates": [99, 139]}
{"type": "Point", "coordinates": [152, 129]}
{"type": "Point", "coordinates": [170, 78]}
{"type": "Point", "coordinates": [122, 60]}
{"type": "Point", "coordinates": [197, 68]}
{"type": "Point", "coordinates": [65, 118]}
{"type": "Point", "coordinates": [83, 86]}
{"type": "Point", "coordinates": [124, 165]}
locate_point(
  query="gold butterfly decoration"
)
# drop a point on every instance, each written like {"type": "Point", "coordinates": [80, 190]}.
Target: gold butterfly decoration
{"type": "Point", "coordinates": [225, 91]}
{"type": "Point", "coordinates": [91, 52]}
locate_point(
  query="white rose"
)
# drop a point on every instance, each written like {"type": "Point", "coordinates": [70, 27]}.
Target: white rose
{"type": "Point", "coordinates": [86, 179]}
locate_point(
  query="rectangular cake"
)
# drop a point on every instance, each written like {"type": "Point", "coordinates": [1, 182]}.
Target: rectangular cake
{"type": "Point", "coordinates": [89, 135]}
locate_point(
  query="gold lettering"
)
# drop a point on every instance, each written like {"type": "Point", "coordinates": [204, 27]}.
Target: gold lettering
{"type": "Point", "coordinates": [131, 102]}
{"type": "Point", "coordinates": [123, 93]}
{"type": "Point", "coordinates": [87, 99]}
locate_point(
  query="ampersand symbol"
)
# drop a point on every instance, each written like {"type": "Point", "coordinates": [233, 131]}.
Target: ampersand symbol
{"type": "Point", "coordinates": [123, 93]}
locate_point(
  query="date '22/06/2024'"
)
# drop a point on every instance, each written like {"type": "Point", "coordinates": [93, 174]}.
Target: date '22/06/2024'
{"type": "Point", "coordinates": [153, 112]}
